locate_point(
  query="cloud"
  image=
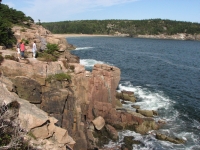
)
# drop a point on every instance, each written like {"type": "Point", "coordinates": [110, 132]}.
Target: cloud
{"type": "Point", "coordinates": [110, 2]}
{"type": "Point", "coordinates": [61, 9]}
{"type": "Point", "coordinates": [10, 4]}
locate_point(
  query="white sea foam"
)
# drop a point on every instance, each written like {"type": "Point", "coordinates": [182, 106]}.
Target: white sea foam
{"type": "Point", "coordinates": [157, 100]}
{"type": "Point", "coordinates": [83, 48]}
{"type": "Point", "coordinates": [196, 124]}
{"type": "Point", "coordinates": [148, 140]}
{"type": "Point", "coordinates": [152, 100]}
{"type": "Point", "coordinates": [90, 62]}
{"type": "Point", "coordinates": [148, 100]}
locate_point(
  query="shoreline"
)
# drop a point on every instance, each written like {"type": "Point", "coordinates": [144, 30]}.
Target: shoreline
{"type": "Point", "coordinates": [81, 35]}
{"type": "Point", "coordinates": [182, 37]}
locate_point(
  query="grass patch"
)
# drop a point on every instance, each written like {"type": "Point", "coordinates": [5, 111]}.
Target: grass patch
{"type": "Point", "coordinates": [23, 30]}
{"type": "Point", "coordinates": [58, 77]}
{"type": "Point", "coordinates": [31, 135]}
{"type": "Point", "coordinates": [46, 57]}
{"type": "Point", "coordinates": [11, 57]}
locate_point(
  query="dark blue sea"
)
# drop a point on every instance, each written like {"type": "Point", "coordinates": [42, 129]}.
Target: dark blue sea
{"type": "Point", "coordinates": [163, 74]}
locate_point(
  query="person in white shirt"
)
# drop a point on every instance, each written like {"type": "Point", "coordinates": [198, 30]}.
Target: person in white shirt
{"type": "Point", "coordinates": [34, 49]}
{"type": "Point", "coordinates": [18, 49]}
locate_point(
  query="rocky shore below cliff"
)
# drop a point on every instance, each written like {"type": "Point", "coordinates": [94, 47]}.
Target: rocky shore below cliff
{"type": "Point", "coordinates": [179, 36]}
{"type": "Point", "coordinates": [80, 112]}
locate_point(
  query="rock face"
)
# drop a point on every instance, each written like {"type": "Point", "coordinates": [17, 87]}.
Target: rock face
{"type": "Point", "coordinates": [2, 47]}
{"type": "Point", "coordinates": [33, 119]}
{"type": "Point", "coordinates": [179, 36]}
{"type": "Point", "coordinates": [113, 132]}
{"type": "Point", "coordinates": [42, 37]}
{"type": "Point", "coordinates": [198, 37]}
{"type": "Point", "coordinates": [95, 95]}
{"type": "Point", "coordinates": [147, 113]}
{"type": "Point", "coordinates": [127, 96]}
{"type": "Point", "coordinates": [74, 103]}
{"type": "Point", "coordinates": [128, 142]}
{"type": "Point", "coordinates": [28, 89]}
{"type": "Point", "coordinates": [99, 123]}
{"type": "Point", "coordinates": [170, 139]}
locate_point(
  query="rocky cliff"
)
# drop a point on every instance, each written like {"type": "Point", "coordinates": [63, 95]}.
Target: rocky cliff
{"type": "Point", "coordinates": [179, 36]}
{"type": "Point", "coordinates": [70, 112]}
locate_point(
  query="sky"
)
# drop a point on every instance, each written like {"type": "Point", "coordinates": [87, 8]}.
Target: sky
{"type": "Point", "coordinates": [69, 10]}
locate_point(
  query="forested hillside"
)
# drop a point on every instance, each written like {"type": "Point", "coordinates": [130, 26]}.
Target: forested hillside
{"type": "Point", "coordinates": [8, 18]}
{"type": "Point", "coordinates": [131, 27]}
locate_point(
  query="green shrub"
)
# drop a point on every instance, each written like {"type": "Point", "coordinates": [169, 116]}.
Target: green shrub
{"type": "Point", "coordinates": [7, 37]}
{"type": "Point", "coordinates": [51, 48]}
{"type": "Point", "coordinates": [11, 134]}
{"type": "Point", "coordinates": [59, 77]}
{"type": "Point", "coordinates": [49, 54]}
{"type": "Point", "coordinates": [25, 41]}
{"type": "Point", "coordinates": [5, 139]}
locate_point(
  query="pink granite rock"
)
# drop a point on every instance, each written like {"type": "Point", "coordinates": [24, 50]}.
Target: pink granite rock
{"type": "Point", "coordinates": [98, 122]}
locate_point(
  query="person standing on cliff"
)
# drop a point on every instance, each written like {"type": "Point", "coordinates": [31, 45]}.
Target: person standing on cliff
{"type": "Point", "coordinates": [22, 48]}
{"type": "Point", "coordinates": [18, 49]}
{"type": "Point", "coordinates": [34, 49]}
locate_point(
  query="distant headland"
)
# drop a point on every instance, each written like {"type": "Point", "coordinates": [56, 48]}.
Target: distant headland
{"type": "Point", "coordinates": [151, 28]}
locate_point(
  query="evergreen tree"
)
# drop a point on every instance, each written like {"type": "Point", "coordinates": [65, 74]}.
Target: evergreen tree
{"type": "Point", "coordinates": [6, 34]}
{"type": "Point", "coordinates": [8, 17]}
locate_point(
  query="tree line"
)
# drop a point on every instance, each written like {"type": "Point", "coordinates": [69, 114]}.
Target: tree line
{"type": "Point", "coordinates": [131, 27]}
{"type": "Point", "coordinates": [8, 18]}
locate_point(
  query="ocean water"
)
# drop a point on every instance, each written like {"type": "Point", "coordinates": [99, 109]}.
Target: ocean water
{"type": "Point", "coordinates": [163, 74]}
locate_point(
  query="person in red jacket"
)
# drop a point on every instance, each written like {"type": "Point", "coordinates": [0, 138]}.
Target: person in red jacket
{"type": "Point", "coordinates": [22, 49]}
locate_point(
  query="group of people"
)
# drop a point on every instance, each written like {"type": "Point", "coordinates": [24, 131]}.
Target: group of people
{"type": "Point", "coordinates": [21, 49]}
